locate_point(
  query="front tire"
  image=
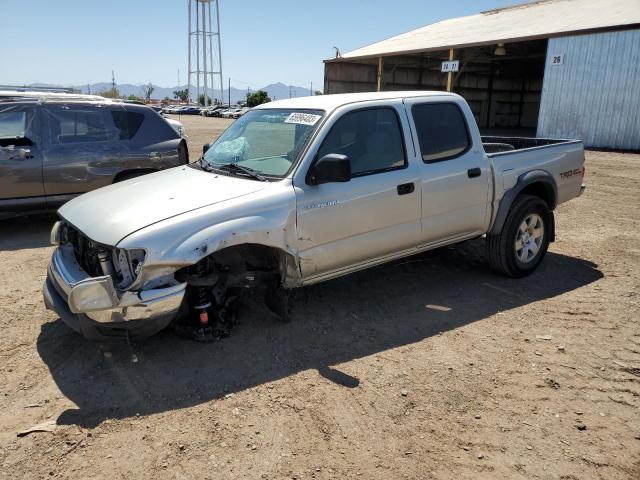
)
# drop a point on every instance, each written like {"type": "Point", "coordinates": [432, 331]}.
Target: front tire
{"type": "Point", "coordinates": [523, 242]}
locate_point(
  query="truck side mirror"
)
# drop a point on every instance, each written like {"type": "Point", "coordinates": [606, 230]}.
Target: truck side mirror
{"type": "Point", "coordinates": [330, 168]}
{"type": "Point", "coordinates": [205, 147]}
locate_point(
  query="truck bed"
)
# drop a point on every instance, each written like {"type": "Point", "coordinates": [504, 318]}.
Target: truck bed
{"type": "Point", "coordinates": [514, 156]}
{"type": "Point", "coordinates": [495, 145]}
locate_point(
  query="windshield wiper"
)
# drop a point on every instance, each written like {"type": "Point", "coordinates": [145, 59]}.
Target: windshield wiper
{"type": "Point", "coordinates": [239, 168]}
{"type": "Point", "coordinates": [204, 164]}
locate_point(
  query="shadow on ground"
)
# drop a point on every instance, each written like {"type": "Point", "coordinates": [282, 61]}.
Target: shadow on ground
{"type": "Point", "coordinates": [352, 317]}
{"type": "Point", "coordinates": [21, 233]}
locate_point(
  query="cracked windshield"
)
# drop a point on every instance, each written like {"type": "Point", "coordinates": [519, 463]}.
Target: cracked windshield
{"type": "Point", "coordinates": [263, 142]}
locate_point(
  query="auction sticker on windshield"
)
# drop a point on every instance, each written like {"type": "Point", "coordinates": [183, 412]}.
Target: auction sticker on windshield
{"type": "Point", "coordinates": [303, 118]}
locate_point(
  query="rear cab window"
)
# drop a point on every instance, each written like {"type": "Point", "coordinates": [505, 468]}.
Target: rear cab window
{"type": "Point", "coordinates": [372, 139]}
{"type": "Point", "coordinates": [442, 131]}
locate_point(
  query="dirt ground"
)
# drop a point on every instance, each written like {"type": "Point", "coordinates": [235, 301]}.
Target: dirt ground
{"type": "Point", "coordinates": [201, 130]}
{"type": "Point", "coordinates": [430, 367]}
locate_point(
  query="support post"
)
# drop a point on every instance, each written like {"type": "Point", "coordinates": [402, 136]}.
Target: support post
{"type": "Point", "coordinates": [379, 76]}
{"type": "Point", "coordinates": [189, 57]}
{"type": "Point", "coordinates": [220, 51]}
{"type": "Point", "coordinates": [204, 52]}
{"type": "Point", "coordinates": [450, 74]}
{"type": "Point", "coordinates": [197, 54]}
{"type": "Point", "coordinates": [213, 92]}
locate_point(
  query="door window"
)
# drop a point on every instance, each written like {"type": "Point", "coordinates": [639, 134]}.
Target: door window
{"type": "Point", "coordinates": [442, 131]}
{"type": "Point", "coordinates": [13, 124]}
{"type": "Point", "coordinates": [127, 123]}
{"type": "Point", "coordinates": [16, 126]}
{"type": "Point", "coordinates": [371, 138]}
{"type": "Point", "coordinates": [81, 125]}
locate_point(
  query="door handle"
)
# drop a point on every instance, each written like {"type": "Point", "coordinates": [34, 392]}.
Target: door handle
{"type": "Point", "coordinates": [406, 188]}
{"type": "Point", "coordinates": [474, 172]}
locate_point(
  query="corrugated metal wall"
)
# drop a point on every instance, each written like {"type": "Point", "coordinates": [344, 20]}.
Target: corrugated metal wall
{"type": "Point", "coordinates": [595, 94]}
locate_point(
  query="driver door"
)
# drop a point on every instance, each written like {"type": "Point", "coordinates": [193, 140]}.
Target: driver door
{"type": "Point", "coordinates": [345, 226]}
{"type": "Point", "coordinates": [21, 185]}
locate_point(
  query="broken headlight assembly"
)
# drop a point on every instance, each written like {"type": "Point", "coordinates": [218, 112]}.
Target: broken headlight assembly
{"type": "Point", "coordinates": [129, 263]}
{"type": "Point", "coordinates": [56, 233]}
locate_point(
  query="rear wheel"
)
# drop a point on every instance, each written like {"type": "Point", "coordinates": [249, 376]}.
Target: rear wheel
{"type": "Point", "coordinates": [522, 244]}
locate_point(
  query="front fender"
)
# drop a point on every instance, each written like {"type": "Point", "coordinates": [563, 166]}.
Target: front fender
{"type": "Point", "coordinates": [254, 229]}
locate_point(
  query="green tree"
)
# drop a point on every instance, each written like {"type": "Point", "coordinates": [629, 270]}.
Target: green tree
{"type": "Point", "coordinates": [135, 98]}
{"type": "Point", "coordinates": [181, 94]}
{"type": "Point", "coordinates": [201, 100]}
{"type": "Point", "coordinates": [111, 93]}
{"type": "Point", "coordinates": [257, 98]}
{"type": "Point", "coordinates": [148, 90]}
{"type": "Point", "coordinates": [318, 92]}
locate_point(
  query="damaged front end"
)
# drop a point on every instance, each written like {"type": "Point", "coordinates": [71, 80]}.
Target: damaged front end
{"type": "Point", "coordinates": [89, 286]}
{"type": "Point", "coordinates": [107, 292]}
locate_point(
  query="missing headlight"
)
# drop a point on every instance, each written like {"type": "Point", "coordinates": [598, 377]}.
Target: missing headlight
{"type": "Point", "coordinates": [130, 263]}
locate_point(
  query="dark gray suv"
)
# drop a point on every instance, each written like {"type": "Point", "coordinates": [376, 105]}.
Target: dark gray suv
{"type": "Point", "coordinates": [54, 147]}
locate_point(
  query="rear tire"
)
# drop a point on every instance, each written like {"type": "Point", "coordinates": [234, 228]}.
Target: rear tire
{"type": "Point", "coordinates": [523, 242]}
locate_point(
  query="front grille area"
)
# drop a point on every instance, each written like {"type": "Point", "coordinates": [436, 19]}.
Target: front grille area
{"type": "Point", "coordinates": [86, 251]}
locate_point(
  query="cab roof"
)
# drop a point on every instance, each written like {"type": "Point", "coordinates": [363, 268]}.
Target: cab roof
{"type": "Point", "coordinates": [333, 101]}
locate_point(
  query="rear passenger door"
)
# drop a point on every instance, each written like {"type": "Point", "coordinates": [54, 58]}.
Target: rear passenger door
{"type": "Point", "coordinates": [83, 150]}
{"type": "Point", "coordinates": [455, 173]}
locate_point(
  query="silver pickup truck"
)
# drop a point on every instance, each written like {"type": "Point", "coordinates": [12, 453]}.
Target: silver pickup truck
{"type": "Point", "coordinates": [300, 191]}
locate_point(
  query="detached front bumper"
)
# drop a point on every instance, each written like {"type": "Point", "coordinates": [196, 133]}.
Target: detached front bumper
{"type": "Point", "coordinates": [93, 307]}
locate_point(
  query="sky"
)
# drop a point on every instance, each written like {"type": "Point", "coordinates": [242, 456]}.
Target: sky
{"type": "Point", "coordinates": [72, 42]}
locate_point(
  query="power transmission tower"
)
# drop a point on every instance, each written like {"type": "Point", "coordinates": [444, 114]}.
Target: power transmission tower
{"type": "Point", "coordinates": [208, 57]}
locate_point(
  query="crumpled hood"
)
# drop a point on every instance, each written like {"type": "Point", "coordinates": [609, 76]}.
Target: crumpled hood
{"type": "Point", "coordinates": [109, 214]}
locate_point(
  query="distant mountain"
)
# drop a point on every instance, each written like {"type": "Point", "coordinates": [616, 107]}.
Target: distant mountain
{"type": "Point", "coordinates": [276, 91]}
{"type": "Point", "coordinates": [279, 91]}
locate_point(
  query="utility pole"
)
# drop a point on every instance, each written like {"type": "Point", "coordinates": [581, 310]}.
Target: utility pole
{"type": "Point", "coordinates": [113, 81]}
{"type": "Point", "coordinates": [229, 91]}
{"type": "Point", "coordinates": [289, 91]}
{"type": "Point", "coordinates": [311, 89]}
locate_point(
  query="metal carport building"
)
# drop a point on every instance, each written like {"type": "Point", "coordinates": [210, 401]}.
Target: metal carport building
{"type": "Point", "coordinates": [554, 68]}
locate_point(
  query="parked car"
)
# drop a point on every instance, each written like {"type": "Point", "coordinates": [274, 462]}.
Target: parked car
{"type": "Point", "coordinates": [170, 109]}
{"type": "Point", "coordinates": [177, 126]}
{"type": "Point", "coordinates": [212, 111]}
{"type": "Point", "coordinates": [230, 113]}
{"type": "Point", "coordinates": [189, 110]}
{"type": "Point", "coordinates": [240, 112]}
{"type": "Point", "coordinates": [337, 184]}
{"type": "Point", "coordinates": [54, 147]}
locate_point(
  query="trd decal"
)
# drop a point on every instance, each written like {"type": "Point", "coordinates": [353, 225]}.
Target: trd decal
{"type": "Point", "coordinates": [570, 173]}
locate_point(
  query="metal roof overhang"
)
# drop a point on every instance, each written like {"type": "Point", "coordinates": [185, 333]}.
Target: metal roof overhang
{"type": "Point", "coordinates": [523, 22]}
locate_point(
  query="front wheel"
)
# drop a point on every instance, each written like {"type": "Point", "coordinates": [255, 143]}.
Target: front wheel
{"type": "Point", "coordinates": [522, 244]}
